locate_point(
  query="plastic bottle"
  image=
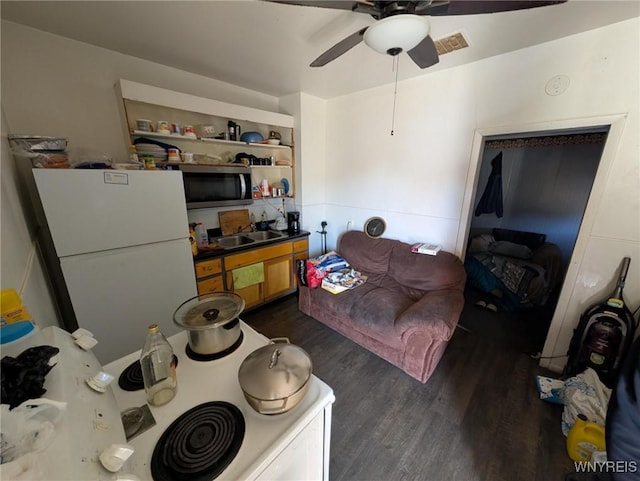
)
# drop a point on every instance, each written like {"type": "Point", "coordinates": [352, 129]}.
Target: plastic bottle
{"type": "Point", "coordinates": [133, 154]}
{"type": "Point", "coordinates": [202, 237]}
{"type": "Point", "coordinates": [192, 239]}
{"type": "Point", "coordinates": [584, 438]}
{"type": "Point", "coordinates": [158, 368]}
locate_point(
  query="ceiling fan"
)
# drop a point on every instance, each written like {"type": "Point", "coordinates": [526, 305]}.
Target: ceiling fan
{"type": "Point", "coordinates": [402, 26]}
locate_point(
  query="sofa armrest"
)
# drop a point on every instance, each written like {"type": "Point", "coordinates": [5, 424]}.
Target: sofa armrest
{"type": "Point", "coordinates": [437, 312]}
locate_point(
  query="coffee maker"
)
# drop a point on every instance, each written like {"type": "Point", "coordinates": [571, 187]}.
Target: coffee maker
{"type": "Point", "coordinates": [293, 222]}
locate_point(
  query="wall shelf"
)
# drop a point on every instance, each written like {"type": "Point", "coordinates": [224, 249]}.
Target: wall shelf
{"type": "Point", "coordinates": [234, 143]}
{"type": "Point", "coordinates": [140, 101]}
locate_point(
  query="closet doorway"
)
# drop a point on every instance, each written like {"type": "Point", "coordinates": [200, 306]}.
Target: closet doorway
{"type": "Point", "coordinates": [530, 194]}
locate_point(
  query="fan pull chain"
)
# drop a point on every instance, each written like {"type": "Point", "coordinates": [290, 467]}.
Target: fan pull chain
{"type": "Point", "coordinates": [396, 63]}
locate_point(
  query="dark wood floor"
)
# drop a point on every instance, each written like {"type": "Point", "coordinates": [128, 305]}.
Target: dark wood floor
{"type": "Point", "coordinates": [477, 418]}
{"type": "Point", "coordinates": [524, 330]}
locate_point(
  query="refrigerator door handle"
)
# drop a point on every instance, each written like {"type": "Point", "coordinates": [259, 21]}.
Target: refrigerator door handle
{"type": "Point", "coordinates": [243, 186]}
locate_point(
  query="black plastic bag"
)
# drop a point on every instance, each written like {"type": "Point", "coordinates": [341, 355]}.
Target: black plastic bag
{"type": "Point", "coordinates": [23, 376]}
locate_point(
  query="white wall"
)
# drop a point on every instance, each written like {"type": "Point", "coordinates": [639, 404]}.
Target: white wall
{"type": "Point", "coordinates": [310, 131]}
{"type": "Point", "coordinates": [21, 265]}
{"type": "Point", "coordinates": [416, 179]}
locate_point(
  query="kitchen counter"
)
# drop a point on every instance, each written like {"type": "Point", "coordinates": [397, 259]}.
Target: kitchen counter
{"type": "Point", "coordinates": [219, 252]}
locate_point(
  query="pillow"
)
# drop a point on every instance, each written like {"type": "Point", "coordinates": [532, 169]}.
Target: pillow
{"type": "Point", "coordinates": [510, 249]}
{"type": "Point", "coordinates": [530, 239]}
{"type": "Point", "coordinates": [480, 243]}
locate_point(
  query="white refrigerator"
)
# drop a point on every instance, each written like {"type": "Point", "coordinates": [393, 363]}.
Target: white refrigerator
{"type": "Point", "coordinates": [122, 242]}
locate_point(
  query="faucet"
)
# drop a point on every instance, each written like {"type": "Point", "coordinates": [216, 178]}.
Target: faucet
{"type": "Point", "coordinates": [253, 227]}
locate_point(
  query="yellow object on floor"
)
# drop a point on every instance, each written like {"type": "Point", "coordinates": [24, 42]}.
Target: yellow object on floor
{"type": "Point", "coordinates": [12, 308]}
{"type": "Point", "coordinates": [584, 438]}
{"type": "Point", "coordinates": [248, 276]}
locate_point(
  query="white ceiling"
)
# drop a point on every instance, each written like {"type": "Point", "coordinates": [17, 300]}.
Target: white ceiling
{"type": "Point", "coordinates": [267, 47]}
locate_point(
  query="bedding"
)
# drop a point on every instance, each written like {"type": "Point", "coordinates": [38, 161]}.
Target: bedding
{"type": "Point", "coordinates": [519, 269]}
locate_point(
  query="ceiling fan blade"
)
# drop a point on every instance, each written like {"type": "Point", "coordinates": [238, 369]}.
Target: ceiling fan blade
{"type": "Point", "coordinates": [472, 7]}
{"type": "Point", "coordinates": [339, 48]}
{"type": "Point", "coordinates": [424, 54]}
{"type": "Point", "coordinates": [337, 4]}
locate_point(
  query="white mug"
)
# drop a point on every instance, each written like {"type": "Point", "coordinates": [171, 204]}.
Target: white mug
{"type": "Point", "coordinates": [144, 125]}
{"type": "Point", "coordinates": [187, 157]}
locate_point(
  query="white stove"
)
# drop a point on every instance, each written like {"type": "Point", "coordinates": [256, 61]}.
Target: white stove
{"type": "Point", "coordinates": [292, 445]}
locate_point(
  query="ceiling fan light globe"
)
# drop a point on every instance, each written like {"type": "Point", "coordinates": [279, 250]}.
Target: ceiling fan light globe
{"type": "Point", "coordinates": [397, 32]}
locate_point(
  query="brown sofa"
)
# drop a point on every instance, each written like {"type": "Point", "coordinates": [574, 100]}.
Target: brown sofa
{"type": "Point", "coordinates": [407, 310]}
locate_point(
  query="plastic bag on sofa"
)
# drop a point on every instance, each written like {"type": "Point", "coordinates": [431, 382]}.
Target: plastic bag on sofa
{"type": "Point", "coordinates": [312, 271]}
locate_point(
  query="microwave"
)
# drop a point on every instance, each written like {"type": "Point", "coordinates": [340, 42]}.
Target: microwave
{"type": "Point", "coordinates": [216, 185]}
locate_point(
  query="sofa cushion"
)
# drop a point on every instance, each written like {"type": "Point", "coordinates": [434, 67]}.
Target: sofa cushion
{"type": "Point", "coordinates": [422, 272]}
{"type": "Point", "coordinates": [365, 254]}
{"type": "Point", "coordinates": [340, 304]}
{"type": "Point", "coordinates": [374, 312]}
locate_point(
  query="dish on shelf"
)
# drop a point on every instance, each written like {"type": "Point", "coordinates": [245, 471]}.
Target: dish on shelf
{"type": "Point", "coordinates": [285, 185]}
{"type": "Point", "coordinates": [252, 137]}
{"type": "Point", "coordinates": [150, 147]}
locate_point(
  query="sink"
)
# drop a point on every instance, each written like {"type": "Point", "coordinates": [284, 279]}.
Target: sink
{"type": "Point", "coordinates": [239, 240]}
{"type": "Point", "coordinates": [233, 240]}
{"type": "Point", "coordinates": [263, 235]}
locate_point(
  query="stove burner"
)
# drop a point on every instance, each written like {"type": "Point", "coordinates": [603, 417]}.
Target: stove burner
{"type": "Point", "coordinates": [131, 378]}
{"type": "Point", "coordinates": [212, 357]}
{"type": "Point", "coordinates": [200, 444]}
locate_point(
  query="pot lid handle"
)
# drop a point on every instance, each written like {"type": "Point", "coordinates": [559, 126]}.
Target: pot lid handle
{"type": "Point", "coordinates": [211, 314]}
{"type": "Point", "coordinates": [274, 358]}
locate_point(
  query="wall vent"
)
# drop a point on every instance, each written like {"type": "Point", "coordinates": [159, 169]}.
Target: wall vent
{"type": "Point", "coordinates": [450, 43]}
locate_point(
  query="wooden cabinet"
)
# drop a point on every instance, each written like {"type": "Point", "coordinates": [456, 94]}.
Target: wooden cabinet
{"type": "Point", "coordinates": [257, 255]}
{"type": "Point", "coordinates": [209, 276]}
{"type": "Point", "coordinates": [278, 263]}
{"type": "Point", "coordinates": [301, 249]}
{"type": "Point", "coordinates": [214, 284]}
{"type": "Point", "coordinates": [278, 277]}
{"type": "Point", "coordinates": [208, 268]}
{"type": "Point", "coordinates": [252, 295]}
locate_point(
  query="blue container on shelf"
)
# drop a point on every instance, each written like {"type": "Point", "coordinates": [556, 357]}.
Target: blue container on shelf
{"type": "Point", "coordinates": [251, 137]}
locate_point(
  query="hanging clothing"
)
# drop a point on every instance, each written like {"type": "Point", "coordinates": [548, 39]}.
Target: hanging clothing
{"type": "Point", "coordinates": [491, 200]}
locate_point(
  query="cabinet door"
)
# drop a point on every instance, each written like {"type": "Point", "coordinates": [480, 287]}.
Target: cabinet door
{"type": "Point", "coordinates": [301, 245]}
{"type": "Point", "coordinates": [278, 276]}
{"type": "Point", "coordinates": [213, 284]}
{"type": "Point", "coordinates": [208, 268]}
{"type": "Point", "coordinates": [252, 295]}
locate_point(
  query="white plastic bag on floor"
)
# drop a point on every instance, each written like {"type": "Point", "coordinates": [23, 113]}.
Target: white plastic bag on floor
{"type": "Point", "coordinates": [585, 394]}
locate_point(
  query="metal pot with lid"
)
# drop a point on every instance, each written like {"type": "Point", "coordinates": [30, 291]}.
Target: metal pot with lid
{"type": "Point", "coordinates": [211, 321]}
{"type": "Point", "coordinates": [275, 378]}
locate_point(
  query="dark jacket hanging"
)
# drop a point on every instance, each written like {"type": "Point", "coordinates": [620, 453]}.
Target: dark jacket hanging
{"type": "Point", "coordinates": [491, 200]}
